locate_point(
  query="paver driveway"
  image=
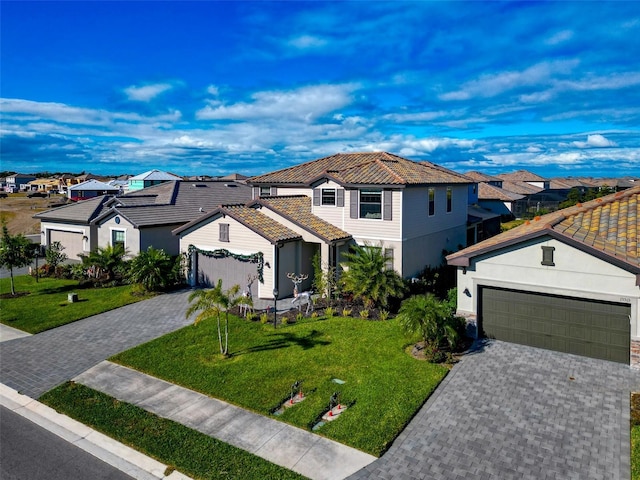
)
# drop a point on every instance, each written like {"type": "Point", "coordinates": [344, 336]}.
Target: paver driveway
{"type": "Point", "coordinates": [33, 365]}
{"type": "Point", "coordinates": [513, 412]}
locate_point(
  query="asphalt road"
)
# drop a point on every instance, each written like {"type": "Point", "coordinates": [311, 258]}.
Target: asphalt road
{"type": "Point", "coordinates": [29, 452]}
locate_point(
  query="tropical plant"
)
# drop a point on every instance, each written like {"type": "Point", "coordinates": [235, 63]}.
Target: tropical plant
{"type": "Point", "coordinates": [215, 301]}
{"type": "Point", "coordinates": [153, 269]}
{"type": "Point", "coordinates": [54, 255]}
{"type": "Point", "coordinates": [364, 313]}
{"type": "Point", "coordinates": [431, 318]}
{"type": "Point", "coordinates": [264, 318]}
{"type": "Point", "coordinates": [368, 278]}
{"type": "Point", "coordinates": [324, 278]}
{"type": "Point", "coordinates": [16, 251]}
{"type": "Point", "coordinates": [346, 312]}
{"type": "Point", "coordinates": [108, 260]}
{"type": "Point", "coordinates": [329, 312]}
{"type": "Point", "coordinates": [384, 315]}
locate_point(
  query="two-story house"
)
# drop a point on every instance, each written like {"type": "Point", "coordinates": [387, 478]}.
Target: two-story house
{"type": "Point", "coordinates": [413, 210]}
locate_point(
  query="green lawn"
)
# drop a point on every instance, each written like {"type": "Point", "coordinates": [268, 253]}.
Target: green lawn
{"type": "Point", "coordinates": [46, 304]}
{"type": "Point", "coordinates": [384, 386]}
{"type": "Point", "coordinates": [188, 451]}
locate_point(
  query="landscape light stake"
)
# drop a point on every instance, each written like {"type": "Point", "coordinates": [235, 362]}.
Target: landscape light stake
{"type": "Point", "coordinates": [275, 306]}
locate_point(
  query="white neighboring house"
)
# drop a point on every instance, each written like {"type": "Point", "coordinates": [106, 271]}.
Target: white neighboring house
{"type": "Point", "coordinates": [566, 281]}
{"type": "Point", "coordinates": [90, 189]}
{"type": "Point", "coordinates": [414, 210]}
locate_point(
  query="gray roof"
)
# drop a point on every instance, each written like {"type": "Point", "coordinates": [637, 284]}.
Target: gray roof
{"type": "Point", "coordinates": [93, 185]}
{"type": "Point", "coordinates": [170, 203]}
{"type": "Point", "coordinates": [156, 175]}
{"type": "Point", "coordinates": [77, 212]}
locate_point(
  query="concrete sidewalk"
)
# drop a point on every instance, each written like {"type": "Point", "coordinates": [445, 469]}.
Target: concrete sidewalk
{"type": "Point", "coordinates": [10, 333]}
{"type": "Point", "coordinates": [122, 457]}
{"type": "Point", "coordinates": [303, 452]}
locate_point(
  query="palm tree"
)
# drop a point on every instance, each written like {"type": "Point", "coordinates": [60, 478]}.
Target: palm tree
{"type": "Point", "coordinates": [431, 318]}
{"type": "Point", "coordinates": [368, 278]}
{"type": "Point", "coordinates": [108, 259]}
{"type": "Point", "coordinates": [153, 269]}
{"type": "Point", "coordinates": [215, 301]}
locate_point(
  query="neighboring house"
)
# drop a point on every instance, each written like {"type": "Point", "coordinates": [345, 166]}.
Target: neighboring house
{"type": "Point", "coordinates": [414, 210]}
{"type": "Point", "coordinates": [151, 178]}
{"type": "Point", "coordinates": [499, 201]}
{"type": "Point", "coordinates": [18, 182]}
{"type": "Point", "coordinates": [137, 220]}
{"type": "Point", "coordinates": [524, 176]}
{"type": "Point", "coordinates": [565, 281]}
{"type": "Point", "coordinates": [44, 185]}
{"type": "Point", "coordinates": [90, 189]}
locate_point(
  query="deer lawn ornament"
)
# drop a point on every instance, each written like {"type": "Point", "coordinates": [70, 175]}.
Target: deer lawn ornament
{"type": "Point", "coordinates": [246, 305]}
{"type": "Point", "coordinates": [303, 298]}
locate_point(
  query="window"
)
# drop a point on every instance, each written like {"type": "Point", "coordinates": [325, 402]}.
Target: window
{"type": "Point", "coordinates": [449, 199]}
{"type": "Point", "coordinates": [547, 256]}
{"type": "Point", "coordinates": [328, 196]}
{"type": "Point", "coordinates": [265, 191]}
{"type": "Point", "coordinates": [370, 203]}
{"type": "Point", "coordinates": [432, 201]}
{"type": "Point", "coordinates": [224, 232]}
{"type": "Point", "coordinates": [117, 238]}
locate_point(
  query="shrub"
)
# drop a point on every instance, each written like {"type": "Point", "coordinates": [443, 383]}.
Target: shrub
{"type": "Point", "coordinates": [384, 315]}
{"type": "Point", "coordinates": [364, 313]}
{"type": "Point", "coordinates": [264, 318]}
{"type": "Point", "coordinates": [346, 312]}
{"type": "Point", "coordinates": [329, 312]}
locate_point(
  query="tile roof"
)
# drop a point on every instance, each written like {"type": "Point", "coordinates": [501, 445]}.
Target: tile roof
{"type": "Point", "coordinates": [250, 217]}
{"type": "Point", "coordinates": [297, 209]}
{"type": "Point", "coordinates": [521, 188]}
{"type": "Point", "coordinates": [608, 227]}
{"type": "Point", "coordinates": [491, 192]}
{"type": "Point", "coordinates": [521, 176]}
{"type": "Point", "coordinates": [77, 212]}
{"type": "Point", "coordinates": [481, 177]}
{"type": "Point", "coordinates": [156, 175]}
{"type": "Point", "coordinates": [260, 223]}
{"type": "Point", "coordinates": [366, 168]}
{"type": "Point", "coordinates": [169, 203]}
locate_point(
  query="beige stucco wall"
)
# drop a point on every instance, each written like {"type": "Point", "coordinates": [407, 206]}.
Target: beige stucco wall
{"type": "Point", "coordinates": [131, 236]}
{"type": "Point", "coordinates": [575, 274]}
{"type": "Point", "coordinates": [242, 241]}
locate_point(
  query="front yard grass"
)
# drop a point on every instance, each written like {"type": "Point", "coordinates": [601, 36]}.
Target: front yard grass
{"type": "Point", "coordinates": [383, 385]}
{"type": "Point", "coordinates": [44, 304]}
{"type": "Point", "coordinates": [188, 451]}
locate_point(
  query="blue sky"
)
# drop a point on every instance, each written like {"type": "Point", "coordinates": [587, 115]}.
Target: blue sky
{"type": "Point", "coordinates": [212, 88]}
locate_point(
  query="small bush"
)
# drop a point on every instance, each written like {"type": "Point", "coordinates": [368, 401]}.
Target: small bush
{"type": "Point", "coordinates": [299, 317]}
{"type": "Point", "coordinates": [329, 312]}
{"type": "Point", "coordinates": [264, 318]}
{"type": "Point", "coordinates": [364, 313]}
{"type": "Point", "coordinates": [314, 314]}
{"type": "Point", "coordinates": [346, 312]}
{"type": "Point", "coordinates": [384, 315]}
{"type": "Point", "coordinates": [251, 316]}
{"type": "Point", "coordinates": [285, 321]}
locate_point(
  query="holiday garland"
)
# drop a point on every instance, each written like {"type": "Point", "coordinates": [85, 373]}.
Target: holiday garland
{"type": "Point", "coordinates": [224, 253]}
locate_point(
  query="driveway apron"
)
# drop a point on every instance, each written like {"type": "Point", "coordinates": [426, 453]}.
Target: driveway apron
{"type": "Point", "coordinates": [512, 412]}
{"type": "Point", "coordinates": [35, 364]}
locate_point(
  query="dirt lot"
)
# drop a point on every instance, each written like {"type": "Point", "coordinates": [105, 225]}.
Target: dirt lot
{"type": "Point", "coordinates": [17, 210]}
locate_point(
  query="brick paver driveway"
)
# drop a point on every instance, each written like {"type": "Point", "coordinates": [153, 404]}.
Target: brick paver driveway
{"type": "Point", "coordinates": [513, 412]}
{"type": "Point", "coordinates": [35, 364]}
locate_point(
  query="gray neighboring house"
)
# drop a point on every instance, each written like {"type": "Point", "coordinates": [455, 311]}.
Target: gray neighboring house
{"type": "Point", "coordinates": [138, 219]}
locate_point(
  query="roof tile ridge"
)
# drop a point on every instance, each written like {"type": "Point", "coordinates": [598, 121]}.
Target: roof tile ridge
{"type": "Point", "coordinates": [391, 172]}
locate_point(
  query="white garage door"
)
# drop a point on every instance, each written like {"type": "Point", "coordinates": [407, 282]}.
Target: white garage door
{"type": "Point", "coordinates": [71, 241]}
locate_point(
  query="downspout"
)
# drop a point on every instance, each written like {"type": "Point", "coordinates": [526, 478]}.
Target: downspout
{"type": "Point", "coordinates": [276, 266]}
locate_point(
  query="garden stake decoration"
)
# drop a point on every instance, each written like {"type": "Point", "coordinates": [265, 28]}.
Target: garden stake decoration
{"type": "Point", "coordinates": [295, 389]}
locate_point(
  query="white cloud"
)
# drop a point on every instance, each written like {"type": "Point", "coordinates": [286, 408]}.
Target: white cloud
{"type": "Point", "coordinates": [146, 92]}
{"type": "Point", "coordinates": [488, 86]}
{"type": "Point", "coordinates": [304, 42]}
{"type": "Point", "coordinates": [213, 90]}
{"type": "Point", "coordinates": [595, 141]}
{"type": "Point", "coordinates": [306, 103]}
{"type": "Point", "coordinates": [559, 37]}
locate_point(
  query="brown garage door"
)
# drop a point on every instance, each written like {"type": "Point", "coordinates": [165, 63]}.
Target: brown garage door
{"type": "Point", "coordinates": [571, 325]}
{"type": "Point", "coordinates": [230, 270]}
{"type": "Point", "coordinates": [71, 241]}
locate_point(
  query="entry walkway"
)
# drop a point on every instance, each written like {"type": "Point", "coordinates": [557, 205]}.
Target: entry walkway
{"type": "Point", "coordinates": [303, 452]}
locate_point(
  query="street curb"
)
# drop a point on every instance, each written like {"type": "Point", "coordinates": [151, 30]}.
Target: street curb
{"type": "Point", "coordinates": [116, 454]}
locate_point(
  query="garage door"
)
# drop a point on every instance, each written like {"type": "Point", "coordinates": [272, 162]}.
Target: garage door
{"type": "Point", "coordinates": [230, 270]}
{"type": "Point", "coordinates": [71, 241]}
{"type": "Point", "coordinates": [571, 325]}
